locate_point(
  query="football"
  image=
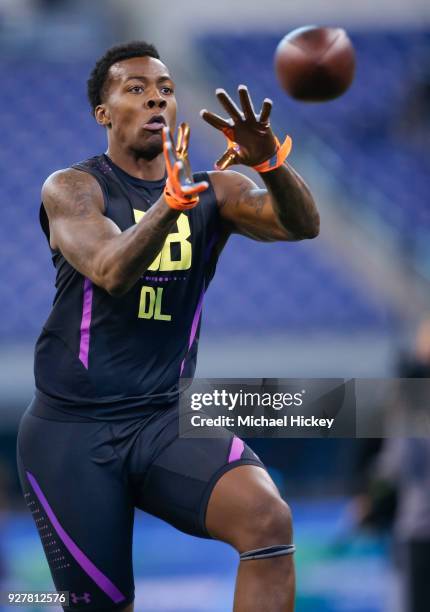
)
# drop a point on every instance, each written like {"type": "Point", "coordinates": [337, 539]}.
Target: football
{"type": "Point", "coordinates": [315, 64]}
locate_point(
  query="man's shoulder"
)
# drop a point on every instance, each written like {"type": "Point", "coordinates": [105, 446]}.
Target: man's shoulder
{"type": "Point", "coordinates": [65, 179]}
{"type": "Point", "coordinates": [78, 172]}
{"type": "Point", "coordinates": [65, 186]}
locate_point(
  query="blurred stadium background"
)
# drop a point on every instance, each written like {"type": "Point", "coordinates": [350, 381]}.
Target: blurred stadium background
{"type": "Point", "coordinates": [344, 305]}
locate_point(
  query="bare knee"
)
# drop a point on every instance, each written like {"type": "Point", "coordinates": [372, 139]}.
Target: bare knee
{"type": "Point", "coordinates": [268, 523]}
{"type": "Point", "coordinates": [246, 511]}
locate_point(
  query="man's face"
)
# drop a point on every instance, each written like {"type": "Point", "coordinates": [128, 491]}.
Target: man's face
{"type": "Point", "coordinates": [139, 100]}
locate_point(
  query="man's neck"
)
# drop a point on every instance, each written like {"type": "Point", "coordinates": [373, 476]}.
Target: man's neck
{"type": "Point", "coordinates": [150, 170]}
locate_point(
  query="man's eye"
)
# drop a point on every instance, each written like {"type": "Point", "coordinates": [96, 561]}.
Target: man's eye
{"type": "Point", "coordinates": [136, 88]}
{"type": "Point", "coordinates": [167, 90]}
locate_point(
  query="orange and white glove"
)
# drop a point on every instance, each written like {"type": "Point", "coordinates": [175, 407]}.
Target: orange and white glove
{"type": "Point", "coordinates": [180, 192]}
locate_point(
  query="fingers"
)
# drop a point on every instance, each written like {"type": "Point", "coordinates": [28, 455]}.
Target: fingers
{"type": "Point", "coordinates": [176, 176]}
{"type": "Point", "coordinates": [177, 179]}
{"type": "Point", "coordinates": [228, 104]}
{"type": "Point", "coordinates": [248, 110]}
{"type": "Point", "coordinates": [218, 122]}
{"type": "Point", "coordinates": [215, 120]}
{"type": "Point", "coordinates": [167, 137]}
{"type": "Point", "coordinates": [196, 188]}
{"type": "Point", "coordinates": [246, 102]}
{"type": "Point", "coordinates": [183, 139]}
{"type": "Point", "coordinates": [183, 174]}
{"type": "Point", "coordinates": [228, 158]}
{"type": "Point", "coordinates": [168, 150]}
{"type": "Point", "coordinates": [177, 168]}
{"type": "Point", "coordinates": [266, 109]}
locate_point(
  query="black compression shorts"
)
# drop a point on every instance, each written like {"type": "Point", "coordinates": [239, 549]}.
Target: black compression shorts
{"type": "Point", "coordinates": [82, 480]}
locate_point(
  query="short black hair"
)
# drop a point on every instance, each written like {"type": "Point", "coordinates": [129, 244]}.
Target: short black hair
{"type": "Point", "coordinates": [97, 79]}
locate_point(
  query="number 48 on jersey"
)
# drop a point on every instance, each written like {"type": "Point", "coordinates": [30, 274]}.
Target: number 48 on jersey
{"type": "Point", "coordinates": [176, 254]}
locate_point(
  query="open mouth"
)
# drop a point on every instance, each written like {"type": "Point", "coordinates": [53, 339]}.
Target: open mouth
{"type": "Point", "coordinates": [157, 122]}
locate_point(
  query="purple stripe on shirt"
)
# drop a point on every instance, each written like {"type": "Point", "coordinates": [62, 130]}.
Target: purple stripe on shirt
{"type": "Point", "coordinates": [210, 245]}
{"type": "Point", "coordinates": [236, 450]}
{"type": "Point", "coordinates": [87, 302]}
{"type": "Point", "coordinates": [208, 251]}
{"type": "Point", "coordinates": [99, 578]}
{"type": "Point", "coordinates": [194, 326]}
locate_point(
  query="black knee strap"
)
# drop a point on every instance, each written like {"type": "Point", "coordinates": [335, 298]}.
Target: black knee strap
{"type": "Point", "coordinates": [269, 551]}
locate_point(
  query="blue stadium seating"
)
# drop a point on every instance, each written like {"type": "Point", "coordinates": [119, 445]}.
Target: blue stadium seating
{"type": "Point", "coordinates": [377, 138]}
{"type": "Point", "coordinates": [46, 125]}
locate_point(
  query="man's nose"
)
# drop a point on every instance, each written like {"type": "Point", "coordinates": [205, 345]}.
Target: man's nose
{"type": "Point", "coordinates": [156, 102]}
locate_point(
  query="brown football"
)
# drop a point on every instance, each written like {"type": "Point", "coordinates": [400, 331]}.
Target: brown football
{"type": "Point", "coordinates": [315, 64]}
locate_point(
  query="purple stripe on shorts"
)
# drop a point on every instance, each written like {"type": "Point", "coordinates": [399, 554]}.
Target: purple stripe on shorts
{"type": "Point", "coordinates": [194, 326]}
{"type": "Point", "coordinates": [237, 448]}
{"type": "Point", "coordinates": [100, 579]}
{"type": "Point", "coordinates": [87, 302]}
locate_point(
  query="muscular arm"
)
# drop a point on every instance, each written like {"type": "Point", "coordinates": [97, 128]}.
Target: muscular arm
{"type": "Point", "coordinates": [91, 242]}
{"type": "Point", "coordinates": [284, 211]}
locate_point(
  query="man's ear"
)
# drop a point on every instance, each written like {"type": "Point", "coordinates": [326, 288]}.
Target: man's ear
{"type": "Point", "coordinates": [102, 115]}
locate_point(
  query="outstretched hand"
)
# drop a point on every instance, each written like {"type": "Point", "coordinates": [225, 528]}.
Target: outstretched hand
{"type": "Point", "coordinates": [181, 149]}
{"type": "Point", "coordinates": [250, 140]}
{"type": "Point", "coordinates": [180, 185]}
